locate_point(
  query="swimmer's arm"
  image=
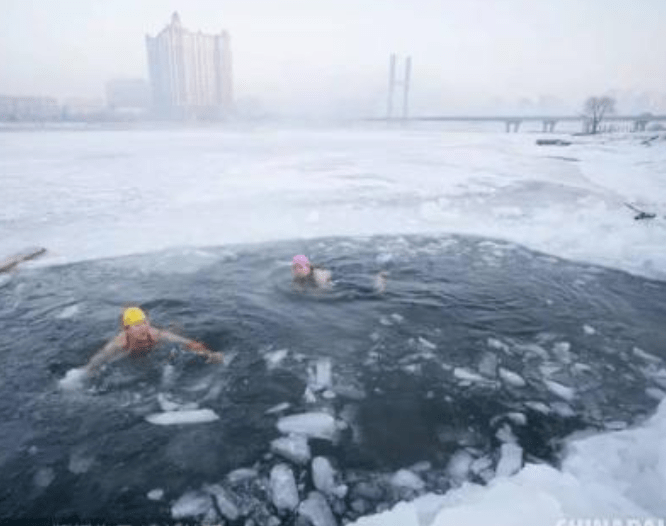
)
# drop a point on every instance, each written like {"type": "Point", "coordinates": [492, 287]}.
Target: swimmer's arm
{"type": "Point", "coordinates": [194, 346]}
{"type": "Point", "coordinates": [108, 353]}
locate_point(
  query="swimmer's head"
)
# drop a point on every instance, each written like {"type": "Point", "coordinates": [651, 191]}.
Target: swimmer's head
{"type": "Point", "coordinates": [300, 266]}
{"type": "Point", "coordinates": [133, 316]}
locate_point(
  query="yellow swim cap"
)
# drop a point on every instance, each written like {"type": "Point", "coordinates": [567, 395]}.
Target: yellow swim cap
{"type": "Point", "coordinates": [133, 316]}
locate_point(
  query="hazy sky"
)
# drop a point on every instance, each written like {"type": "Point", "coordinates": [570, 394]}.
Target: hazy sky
{"type": "Point", "coordinates": [322, 54]}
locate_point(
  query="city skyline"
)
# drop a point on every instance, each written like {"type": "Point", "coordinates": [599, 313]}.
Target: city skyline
{"type": "Point", "coordinates": [331, 58]}
{"type": "Point", "coordinates": [190, 72]}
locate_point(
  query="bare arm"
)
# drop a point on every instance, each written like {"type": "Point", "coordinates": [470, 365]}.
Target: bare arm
{"type": "Point", "coordinates": [194, 346]}
{"type": "Point", "coordinates": [111, 351]}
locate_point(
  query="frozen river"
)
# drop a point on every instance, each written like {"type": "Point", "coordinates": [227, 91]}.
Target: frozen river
{"type": "Point", "coordinates": [509, 321]}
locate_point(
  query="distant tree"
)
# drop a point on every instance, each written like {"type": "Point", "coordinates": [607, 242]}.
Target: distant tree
{"type": "Point", "coordinates": [595, 109]}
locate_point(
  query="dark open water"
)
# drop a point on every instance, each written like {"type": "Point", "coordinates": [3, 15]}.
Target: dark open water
{"type": "Point", "coordinates": [398, 362]}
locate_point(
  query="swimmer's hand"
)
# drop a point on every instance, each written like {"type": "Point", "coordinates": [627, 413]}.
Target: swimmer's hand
{"type": "Point", "coordinates": [197, 347]}
{"type": "Point", "coordinates": [201, 349]}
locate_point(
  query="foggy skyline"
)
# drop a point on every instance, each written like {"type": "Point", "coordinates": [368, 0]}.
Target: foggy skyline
{"type": "Point", "coordinates": [300, 57]}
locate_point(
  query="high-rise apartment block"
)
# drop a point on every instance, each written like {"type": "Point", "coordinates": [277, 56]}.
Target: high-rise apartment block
{"type": "Point", "coordinates": [190, 73]}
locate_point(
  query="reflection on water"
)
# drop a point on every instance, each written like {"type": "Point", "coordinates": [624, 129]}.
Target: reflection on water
{"type": "Point", "coordinates": [470, 335]}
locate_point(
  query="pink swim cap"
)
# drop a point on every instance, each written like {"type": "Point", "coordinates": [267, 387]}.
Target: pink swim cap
{"type": "Point", "coordinates": [300, 260]}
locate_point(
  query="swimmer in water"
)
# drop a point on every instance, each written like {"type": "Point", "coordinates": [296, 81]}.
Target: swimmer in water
{"type": "Point", "coordinates": [138, 338]}
{"type": "Point", "coordinates": [305, 274]}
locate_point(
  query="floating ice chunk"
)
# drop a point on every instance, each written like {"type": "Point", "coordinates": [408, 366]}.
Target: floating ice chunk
{"type": "Point", "coordinates": [293, 447]}
{"type": "Point", "coordinates": [224, 501]}
{"type": "Point", "coordinates": [283, 487]}
{"type": "Point", "coordinates": [511, 378]}
{"type": "Point", "coordinates": [616, 425]}
{"type": "Point", "coordinates": [651, 358]}
{"type": "Point", "coordinates": [274, 358]}
{"type": "Point", "coordinates": [316, 425]}
{"type": "Point", "coordinates": [658, 376]}
{"type": "Point", "coordinates": [534, 349]}
{"type": "Point", "coordinates": [349, 391]}
{"type": "Point", "coordinates": [481, 464]}
{"type": "Point", "coordinates": [655, 393]}
{"type": "Point", "coordinates": [79, 463]}
{"type": "Point", "coordinates": [589, 330]}
{"type": "Point", "coordinates": [328, 394]}
{"type": "Point", "coordinates": [563, 409]}
{"type": "Point", "coordinates": [421, 466]}
{"type": "Point", "coordinates": [403, 478]}
{"type": "Point", "coordinates": [316, 510]}
{"type": "Point", "coordinates": [73, 380]}
{"type": "Point", "coordinates": [68, 312]}
{"type": "Point", "coordinates": [468, 376]}
{"type": "Point", "coordinates": [169, 405]}
{"type": "Point", "coordinates": [241, 474]}
{"type": "Point", "coordinates": [397, 317]}
{"type": "Point", "coordinates": [44, 477]}
{"type": "Point", "coordinates": [426, 344]}
{"type": "Point", "coordinates": [548, 369]}
{"type": "Point", "coordinates": [562, 351]}
{"type": "Point", "coordinates": [505, 434]}
{"type": "Point", "coordinates": [567, 393]}
{"type": "Point", "coordinates": [515, 417]}
{"type": "Point", "coordinates": [308, 396]}
{"type": "Point", "coordinates": [196, 416]}
{"type": "Point", "coordinates": [278, 408]}
{"type": "Point", "coordinates": [321, 376]}
{"type": "Point", "coordinates": [385, 321]}
{"type": "Point", "coordinates": [323, 475]}
{"type": "Point", "coordinates": [488, 365]}
{"type": "Point", "coordinates": [169, 376]}
{"type": "Point", "coordinates": [511, 460]}
{"type": "Point", "coordinates": [191, 504]}
{"type": "Point", "coordinates": [539, 407]}
{"type": "Point", "coordinates": [155, 494]}
{"type": "Point", "coordinates": [494, 343]}
{"type": "Point", "coordinates": [582, 368]}
{"type": "Point", "coordinates": [459, 465]}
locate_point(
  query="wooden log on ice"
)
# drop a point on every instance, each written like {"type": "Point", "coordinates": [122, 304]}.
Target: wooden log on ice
{"type": "Point", "coordinates": [11, 262]}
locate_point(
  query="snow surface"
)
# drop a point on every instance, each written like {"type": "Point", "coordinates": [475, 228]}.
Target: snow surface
{"type": "Point", "coordinates": [204, 187]}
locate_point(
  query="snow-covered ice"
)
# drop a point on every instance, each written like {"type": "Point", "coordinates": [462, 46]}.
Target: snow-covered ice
{"type": "Point", "coordinates": [283, 487]}
{"type": "Point", "coordinates": [567, 393]}
{"type": "Point", "coordinates": [316, 425]}
{"type": "Point", "coordinates": [511, 459]}
{"type": "Point", "coordinates": [511, 378]}
{"type": "Point", "coordinates": [191, 504]}
{"type": "Point", "coordinates": [171, 418]}
{"type": "Point", "coordinates": [405, 478]}
{"type": "Point", "coordinates": [317, 511]}
{"type": "Point", "coordinates": [293, 447]}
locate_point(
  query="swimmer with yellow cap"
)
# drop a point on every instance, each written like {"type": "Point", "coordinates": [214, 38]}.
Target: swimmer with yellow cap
{"type": "Point", "coordinates": [138, 337]}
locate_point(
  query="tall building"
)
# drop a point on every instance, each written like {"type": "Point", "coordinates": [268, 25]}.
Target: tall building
{"type": "Point", "coordinates": [190, 73]}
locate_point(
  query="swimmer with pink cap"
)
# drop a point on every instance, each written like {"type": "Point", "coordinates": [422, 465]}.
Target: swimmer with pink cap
{"type": "Point", "coordinates": [306, 274]}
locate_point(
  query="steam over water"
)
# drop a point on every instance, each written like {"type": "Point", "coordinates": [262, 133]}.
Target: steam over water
{"type": "Point", "coordinates": [469, 333]}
